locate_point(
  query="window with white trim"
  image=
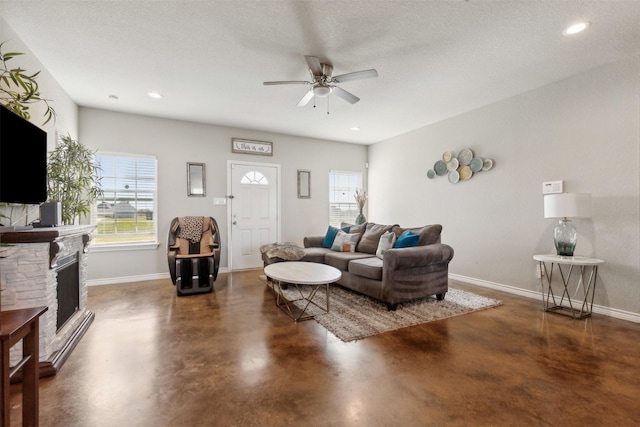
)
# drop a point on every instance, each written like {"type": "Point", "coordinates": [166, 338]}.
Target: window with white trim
{"type": "Point", "coordinates": [126, 213]}
{"type": "Point", "coordinates": [342, 202]}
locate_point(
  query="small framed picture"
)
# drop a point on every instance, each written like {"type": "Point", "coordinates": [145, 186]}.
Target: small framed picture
{"type": "Point", "coordinates": [304, 184]}
{"type": "Point", "coordinates": [196, 180]}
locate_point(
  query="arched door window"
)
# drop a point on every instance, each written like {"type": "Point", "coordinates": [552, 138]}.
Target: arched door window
{"type": "Point", "coordinates": [254, 178]}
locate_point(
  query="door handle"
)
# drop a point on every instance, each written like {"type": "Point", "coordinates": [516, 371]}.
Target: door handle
{"type": "Point", "coordinates": [234, 222]}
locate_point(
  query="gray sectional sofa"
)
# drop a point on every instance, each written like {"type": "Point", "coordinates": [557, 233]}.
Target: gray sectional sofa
{"type": "Point", "coordinates": [396, 276]}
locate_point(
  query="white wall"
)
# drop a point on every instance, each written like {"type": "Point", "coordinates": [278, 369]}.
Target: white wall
{"type": "Point", "coordinates": [583, 130]}
{"type": "Point", "coordinates": [175, 143]}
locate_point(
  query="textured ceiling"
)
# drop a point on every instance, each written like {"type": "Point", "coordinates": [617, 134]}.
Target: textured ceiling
{"type": "Point", "coordinates": [435, 59]}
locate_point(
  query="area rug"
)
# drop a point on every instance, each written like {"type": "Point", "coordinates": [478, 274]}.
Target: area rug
{"type": "Point", "coordinates": [353, 316]}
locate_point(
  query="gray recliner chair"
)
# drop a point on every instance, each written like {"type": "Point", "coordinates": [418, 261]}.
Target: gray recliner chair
{"type": "Point", "coordinates": [193, 254]}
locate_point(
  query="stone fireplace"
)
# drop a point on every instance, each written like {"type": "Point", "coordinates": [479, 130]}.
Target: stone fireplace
{"type": "Point", "coordinates": [48, 267]}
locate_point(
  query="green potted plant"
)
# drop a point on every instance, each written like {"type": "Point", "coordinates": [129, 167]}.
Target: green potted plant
{"type": "Point", "coordinates": [19, 89]}
{"type": "Point", "coordinates": [73, 178]}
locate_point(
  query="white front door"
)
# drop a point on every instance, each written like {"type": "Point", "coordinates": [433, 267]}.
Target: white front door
{"type": "Point", "coordinates": [254, 212]}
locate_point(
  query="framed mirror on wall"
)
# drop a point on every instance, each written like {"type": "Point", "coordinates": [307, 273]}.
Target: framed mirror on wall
{"type": "Point", "coordinates": [304, 184]}
{"type": "Point", "coordinates": [196, 180]}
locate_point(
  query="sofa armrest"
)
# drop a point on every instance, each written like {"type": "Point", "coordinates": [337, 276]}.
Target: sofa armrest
{"type": "Point", "coordinates": [313, 241]}
{"type": "Point", "coordinates": [418, 256]}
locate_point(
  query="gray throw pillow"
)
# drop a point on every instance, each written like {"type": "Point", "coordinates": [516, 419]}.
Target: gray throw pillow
{"type": "Point", "coordinates": [369, 242]}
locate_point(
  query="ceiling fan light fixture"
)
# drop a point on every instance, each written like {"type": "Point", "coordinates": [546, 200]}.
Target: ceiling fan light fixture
{"type": "Point", "coordinates": [321, 91]}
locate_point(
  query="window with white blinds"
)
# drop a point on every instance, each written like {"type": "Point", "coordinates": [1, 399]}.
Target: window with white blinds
{"type": "Point", "coordinates": [342, 202]}
{"type": "Point", "coordinates": [126, 213]}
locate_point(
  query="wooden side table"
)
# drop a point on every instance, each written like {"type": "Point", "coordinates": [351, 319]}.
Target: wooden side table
{"type": "Point", "coordinates": [22, 325]}
{"type": "Point", "coordinates": [563, 303]}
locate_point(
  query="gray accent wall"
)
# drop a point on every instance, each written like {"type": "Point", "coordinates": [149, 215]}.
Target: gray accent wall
{"type": "Point", "coordinates": [66, 109]}
{"type": "Point", "coordinates": [584, 130]}
{"type": "Point", "coordinates": [174, 143]}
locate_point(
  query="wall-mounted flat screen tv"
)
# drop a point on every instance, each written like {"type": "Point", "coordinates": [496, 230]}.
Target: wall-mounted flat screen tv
{"type": "Point", "coordinates": [23, 160]}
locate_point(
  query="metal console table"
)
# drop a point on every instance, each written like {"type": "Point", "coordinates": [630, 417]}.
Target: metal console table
{"type": "Point", "coordinates": [587, 271]}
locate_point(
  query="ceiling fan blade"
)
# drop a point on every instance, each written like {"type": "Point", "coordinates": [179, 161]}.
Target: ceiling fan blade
{"type": "Point", "coordinates": [314, 65]}
{"type": "Point", "coordinates": [349, 97]}
{"type": "Point", "coordinates": [356, 75]}
{"type": "Point", "coordinates": [287, 82]}
{"type": "Point", "coordinates": [306, 98]}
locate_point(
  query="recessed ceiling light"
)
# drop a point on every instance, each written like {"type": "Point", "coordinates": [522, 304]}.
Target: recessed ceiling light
{"type": "Point", "coordinates": [155, 95]}
{"type": "Point", "coordinates": [113, 98]}
{"type": "Point", "coordinates": [576, 28]}
{"type": "Point", "coordinates": [355, 128]}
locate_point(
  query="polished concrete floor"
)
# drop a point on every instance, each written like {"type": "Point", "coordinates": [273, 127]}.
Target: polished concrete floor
{"type": "Point", "coordinates": [231, 358]}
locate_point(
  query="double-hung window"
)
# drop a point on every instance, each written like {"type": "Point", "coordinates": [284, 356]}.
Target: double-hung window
{"type": "Point", "coordinates": [342, 203]}
{"type": "Point", "coordinates": [126, 213]}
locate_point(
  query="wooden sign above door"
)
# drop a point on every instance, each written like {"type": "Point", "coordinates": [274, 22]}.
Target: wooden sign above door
{"type": "Point", "coordinates": [246, 146]}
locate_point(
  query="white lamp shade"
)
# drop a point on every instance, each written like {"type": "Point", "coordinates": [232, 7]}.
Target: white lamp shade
{"type": "Point", "coordinates": [567, 205]}
{"type": "Point", "coordinates": [321, 90]}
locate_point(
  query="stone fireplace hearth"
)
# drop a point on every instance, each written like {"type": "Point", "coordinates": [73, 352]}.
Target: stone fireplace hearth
{"type": "Point", "coordinates": [48, 267]}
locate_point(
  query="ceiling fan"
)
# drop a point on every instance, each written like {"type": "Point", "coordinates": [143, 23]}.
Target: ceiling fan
{"type": "Point", "coordinates": [323, 82]}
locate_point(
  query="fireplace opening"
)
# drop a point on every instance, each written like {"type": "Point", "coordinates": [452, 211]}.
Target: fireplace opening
{"type": "Point", "coordinates": [68, 288]}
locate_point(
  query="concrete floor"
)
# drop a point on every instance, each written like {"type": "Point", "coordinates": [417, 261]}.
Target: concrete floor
{"type": "Point", "coordinates": [231, 358]}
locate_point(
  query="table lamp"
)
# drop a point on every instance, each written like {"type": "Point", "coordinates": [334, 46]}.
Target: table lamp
{"type": "Point", "coordinates": [565, 206]}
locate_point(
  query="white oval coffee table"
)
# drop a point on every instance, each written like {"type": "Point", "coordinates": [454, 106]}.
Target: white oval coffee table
{"type": "Point", "coordinates": [307, 278]}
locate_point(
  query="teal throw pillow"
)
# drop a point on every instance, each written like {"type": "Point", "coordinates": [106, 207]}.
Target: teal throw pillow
{"type": "Point", "coordinates": [330, 237]}
{"type": "Point", "coordinates": [407, 240]}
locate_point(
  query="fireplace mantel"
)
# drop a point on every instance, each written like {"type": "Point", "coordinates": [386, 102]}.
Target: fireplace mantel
{"type": "Point", "coordinates": [51, 235]}
{"type": "Point", "coordinates": [29, 278]}
{"type": "Point", "coordinates": [44, 234]}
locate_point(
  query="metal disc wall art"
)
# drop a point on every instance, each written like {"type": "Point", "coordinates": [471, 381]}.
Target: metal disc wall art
{"type": "Point", "coordinates": [459, 168]}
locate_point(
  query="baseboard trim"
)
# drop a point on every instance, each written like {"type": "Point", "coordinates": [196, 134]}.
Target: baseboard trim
{"type": "Point", "coordinates": [599, 309]}
{"type": "Point", "coordinates": [127, 279]}
{"type": "Point", "coordinates": [138, 278]}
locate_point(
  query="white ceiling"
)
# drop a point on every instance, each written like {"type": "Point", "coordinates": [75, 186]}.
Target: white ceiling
{"type": "Point", "coordinates": [435, 59]}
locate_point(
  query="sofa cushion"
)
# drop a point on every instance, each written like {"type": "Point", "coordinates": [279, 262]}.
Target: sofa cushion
{"type": "Point", "coordinates": [345, 242]}
{"type": "Point", "coordinates": [367, 267]}
{"type": "Point", "coordinates": [369, 241]}
{"type": "Point", "coordinates": [429, 234]}
{"type": "Point", "coordinates": [407, 240]}
{"type": "Point", "coordinates": [340, 260]}
{"type": "Point", "coordinates": [386, 242]}
{"type": "Point", "coordinates": [330, 236]}
{"type": "Point", "coordinates": [315, 254]}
